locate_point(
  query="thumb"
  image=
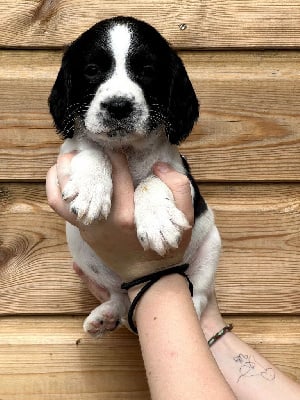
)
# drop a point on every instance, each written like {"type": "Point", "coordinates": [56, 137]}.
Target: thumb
{"type": "Point", "coordinates": [180, 186]}
{"type": "Point", "coordinates": [123, 192]}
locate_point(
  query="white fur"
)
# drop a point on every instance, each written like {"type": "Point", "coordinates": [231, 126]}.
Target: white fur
{"type": "Point", "coordinates": [89, 188]}
{"type": "Point", "coordinates": [159, 223]}
{"type": "Point", "coordinates": [119, 85]}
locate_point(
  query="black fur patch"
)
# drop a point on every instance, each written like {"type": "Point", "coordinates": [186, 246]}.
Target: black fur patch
{"type": "Point", "coordinates": [200, 205]}
{"type": "Point", "coordinates": [151, 63]}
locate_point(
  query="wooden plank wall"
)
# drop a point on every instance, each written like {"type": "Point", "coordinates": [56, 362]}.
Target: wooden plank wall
{"type": "Point", "coordinates": [243, 58]}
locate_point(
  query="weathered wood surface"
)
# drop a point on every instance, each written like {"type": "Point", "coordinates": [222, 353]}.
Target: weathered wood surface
{"type": "Point", "coordinates": [188, 23]}
{"type": "Point", "coordinates": [249, 128]}
{"type": "Point", "coordinates": [258, 273]}
{"type": "Point", "coordinates": [54, 359]}
{"type": "Point", "coordinates": [249, 131]}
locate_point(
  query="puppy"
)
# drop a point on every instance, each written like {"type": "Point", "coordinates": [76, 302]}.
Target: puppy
{"type": "Point", "coordinates": [121, 86]}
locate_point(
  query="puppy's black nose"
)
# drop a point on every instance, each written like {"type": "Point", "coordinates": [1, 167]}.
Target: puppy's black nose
{"type": "Point", "coordinates": [118, 108]}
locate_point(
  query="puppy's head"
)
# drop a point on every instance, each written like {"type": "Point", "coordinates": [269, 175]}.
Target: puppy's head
{"type": "Point", "coordinates": [119, 82]}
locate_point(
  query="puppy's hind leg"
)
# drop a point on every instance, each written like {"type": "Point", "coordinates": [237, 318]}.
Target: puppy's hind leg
{"type": "Point", "coordinates": [108, 316]}
{"type": "Point", "coordinates": [203, 267]}
{"type": "Point", "coordinates": [103, 283]}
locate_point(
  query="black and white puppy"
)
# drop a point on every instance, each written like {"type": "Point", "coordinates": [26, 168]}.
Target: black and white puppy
{"type": "Point", "coordinates": [121, 86]}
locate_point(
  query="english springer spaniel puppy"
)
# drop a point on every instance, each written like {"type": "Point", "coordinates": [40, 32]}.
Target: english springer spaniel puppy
{"type": "Point", "coordinates": [121, 86]}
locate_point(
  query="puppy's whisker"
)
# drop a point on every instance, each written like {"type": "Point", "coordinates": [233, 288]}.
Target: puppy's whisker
{"type": "Point", "coordinates": [73, 114]}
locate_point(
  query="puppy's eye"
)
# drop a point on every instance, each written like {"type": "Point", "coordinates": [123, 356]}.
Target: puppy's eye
{"type": "Point", "coordinates": [147, 71]}
{"type": "Point", "coordinates": [91, 70]}
{"type": "Point", "coordinates": [99, 64]}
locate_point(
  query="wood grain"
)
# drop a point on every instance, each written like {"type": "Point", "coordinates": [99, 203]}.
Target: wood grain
{"type": "Point", "coordinates": [43, 358]}
{"type": "Point", "coordinates": [208, 24]}
{"type": "Point", "coordinates": [249, 128]}
{"type": "Point", "coordinates": [49, 358]}
{"type": "Point", "coordinates": [259, 267]}
{"type": "Point", "coordinates": [249, 132]}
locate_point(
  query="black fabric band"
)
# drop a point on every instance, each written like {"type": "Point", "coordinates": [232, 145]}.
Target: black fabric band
{"type": "Point", "coordinates": [150, 280]}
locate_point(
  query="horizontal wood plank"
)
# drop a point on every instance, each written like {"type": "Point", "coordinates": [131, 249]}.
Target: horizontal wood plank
{"type": "Point", "coordinates": [46, 358]}
{"type": "Point", "coordinates": [258, 272]}
{"type": "Point", "coordinates": [50, 358]}
{"type": "Point", "coordinates": [186, 24]}
{"type": "Point", "coordinates": [249, 128]}
{"type": "Point", "coordinates": [249, 132]}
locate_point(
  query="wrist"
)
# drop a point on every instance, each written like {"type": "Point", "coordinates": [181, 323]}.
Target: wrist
{"type": "Point", "coordinates": [151, 263]}
{"type": "Point", "coordinates": [162, 288]}
{"type": "Point", "coordinates": [210, 326]}
{"type": "Point", "coordinates": [165, 284]}
{"type": "Point", "coordinates": [211, 319]}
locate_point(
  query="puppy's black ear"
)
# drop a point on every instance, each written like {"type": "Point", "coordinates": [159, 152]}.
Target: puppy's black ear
{"type": "Point", "coordinates": [59, 100]}
{"type": "Point", "coordinates": [183, 109]}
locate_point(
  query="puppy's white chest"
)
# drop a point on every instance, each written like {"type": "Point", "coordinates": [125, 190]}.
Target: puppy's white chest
{"type": "Point", "coordinates": [141, 162]}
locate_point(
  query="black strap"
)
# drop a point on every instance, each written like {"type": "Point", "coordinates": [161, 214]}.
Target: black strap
{"type": "Point", "coordinates": [151, 279]}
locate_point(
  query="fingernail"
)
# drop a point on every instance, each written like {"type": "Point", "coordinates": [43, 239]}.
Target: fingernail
{"type": "Point", "coordinates": [162, 167]}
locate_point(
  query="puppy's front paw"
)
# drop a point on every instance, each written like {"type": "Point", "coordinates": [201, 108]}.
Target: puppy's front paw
{"type": "Point", "coordinates": [89, 188]}
{"type": "Point", "coordinates": [89, 200]}
{"type": "Point", "coordinates": [159, 222]}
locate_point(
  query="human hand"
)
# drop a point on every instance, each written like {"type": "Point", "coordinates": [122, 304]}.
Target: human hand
{"type": "Point", "coordinates": [115, 239]}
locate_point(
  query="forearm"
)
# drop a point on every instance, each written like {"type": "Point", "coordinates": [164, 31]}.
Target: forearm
{"type": "Point", "coordinates": [249, 374]}
{"type": "Point", "coordinates": [178, 362]}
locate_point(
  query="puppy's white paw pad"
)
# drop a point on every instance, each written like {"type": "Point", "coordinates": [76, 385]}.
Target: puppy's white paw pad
{"type": "Point", "coordinates": [102, 321]}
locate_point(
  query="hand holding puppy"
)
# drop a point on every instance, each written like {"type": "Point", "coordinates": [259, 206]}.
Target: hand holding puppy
{"type": "Point", "coordinates": [114, 240]}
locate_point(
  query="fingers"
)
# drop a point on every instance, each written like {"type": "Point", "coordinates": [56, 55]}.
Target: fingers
{"type": "Point", "coordinates": [180, 187]}
{"type": "Point", "coordinates": [54, 181]}
{"type": "Point", "coordinates": [64, 168]}
{"type": "Point", "coordinates": [123, 193]}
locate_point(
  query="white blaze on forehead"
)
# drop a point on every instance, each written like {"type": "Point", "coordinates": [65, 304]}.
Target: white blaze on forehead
{"type": "Point", "coordinates": [120, 37]}
{"type": "Point", "coordinates": [119, 84]}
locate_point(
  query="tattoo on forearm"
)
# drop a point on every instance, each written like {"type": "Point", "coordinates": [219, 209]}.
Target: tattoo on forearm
{"type": "Point", "coordinates": [250, 367]}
